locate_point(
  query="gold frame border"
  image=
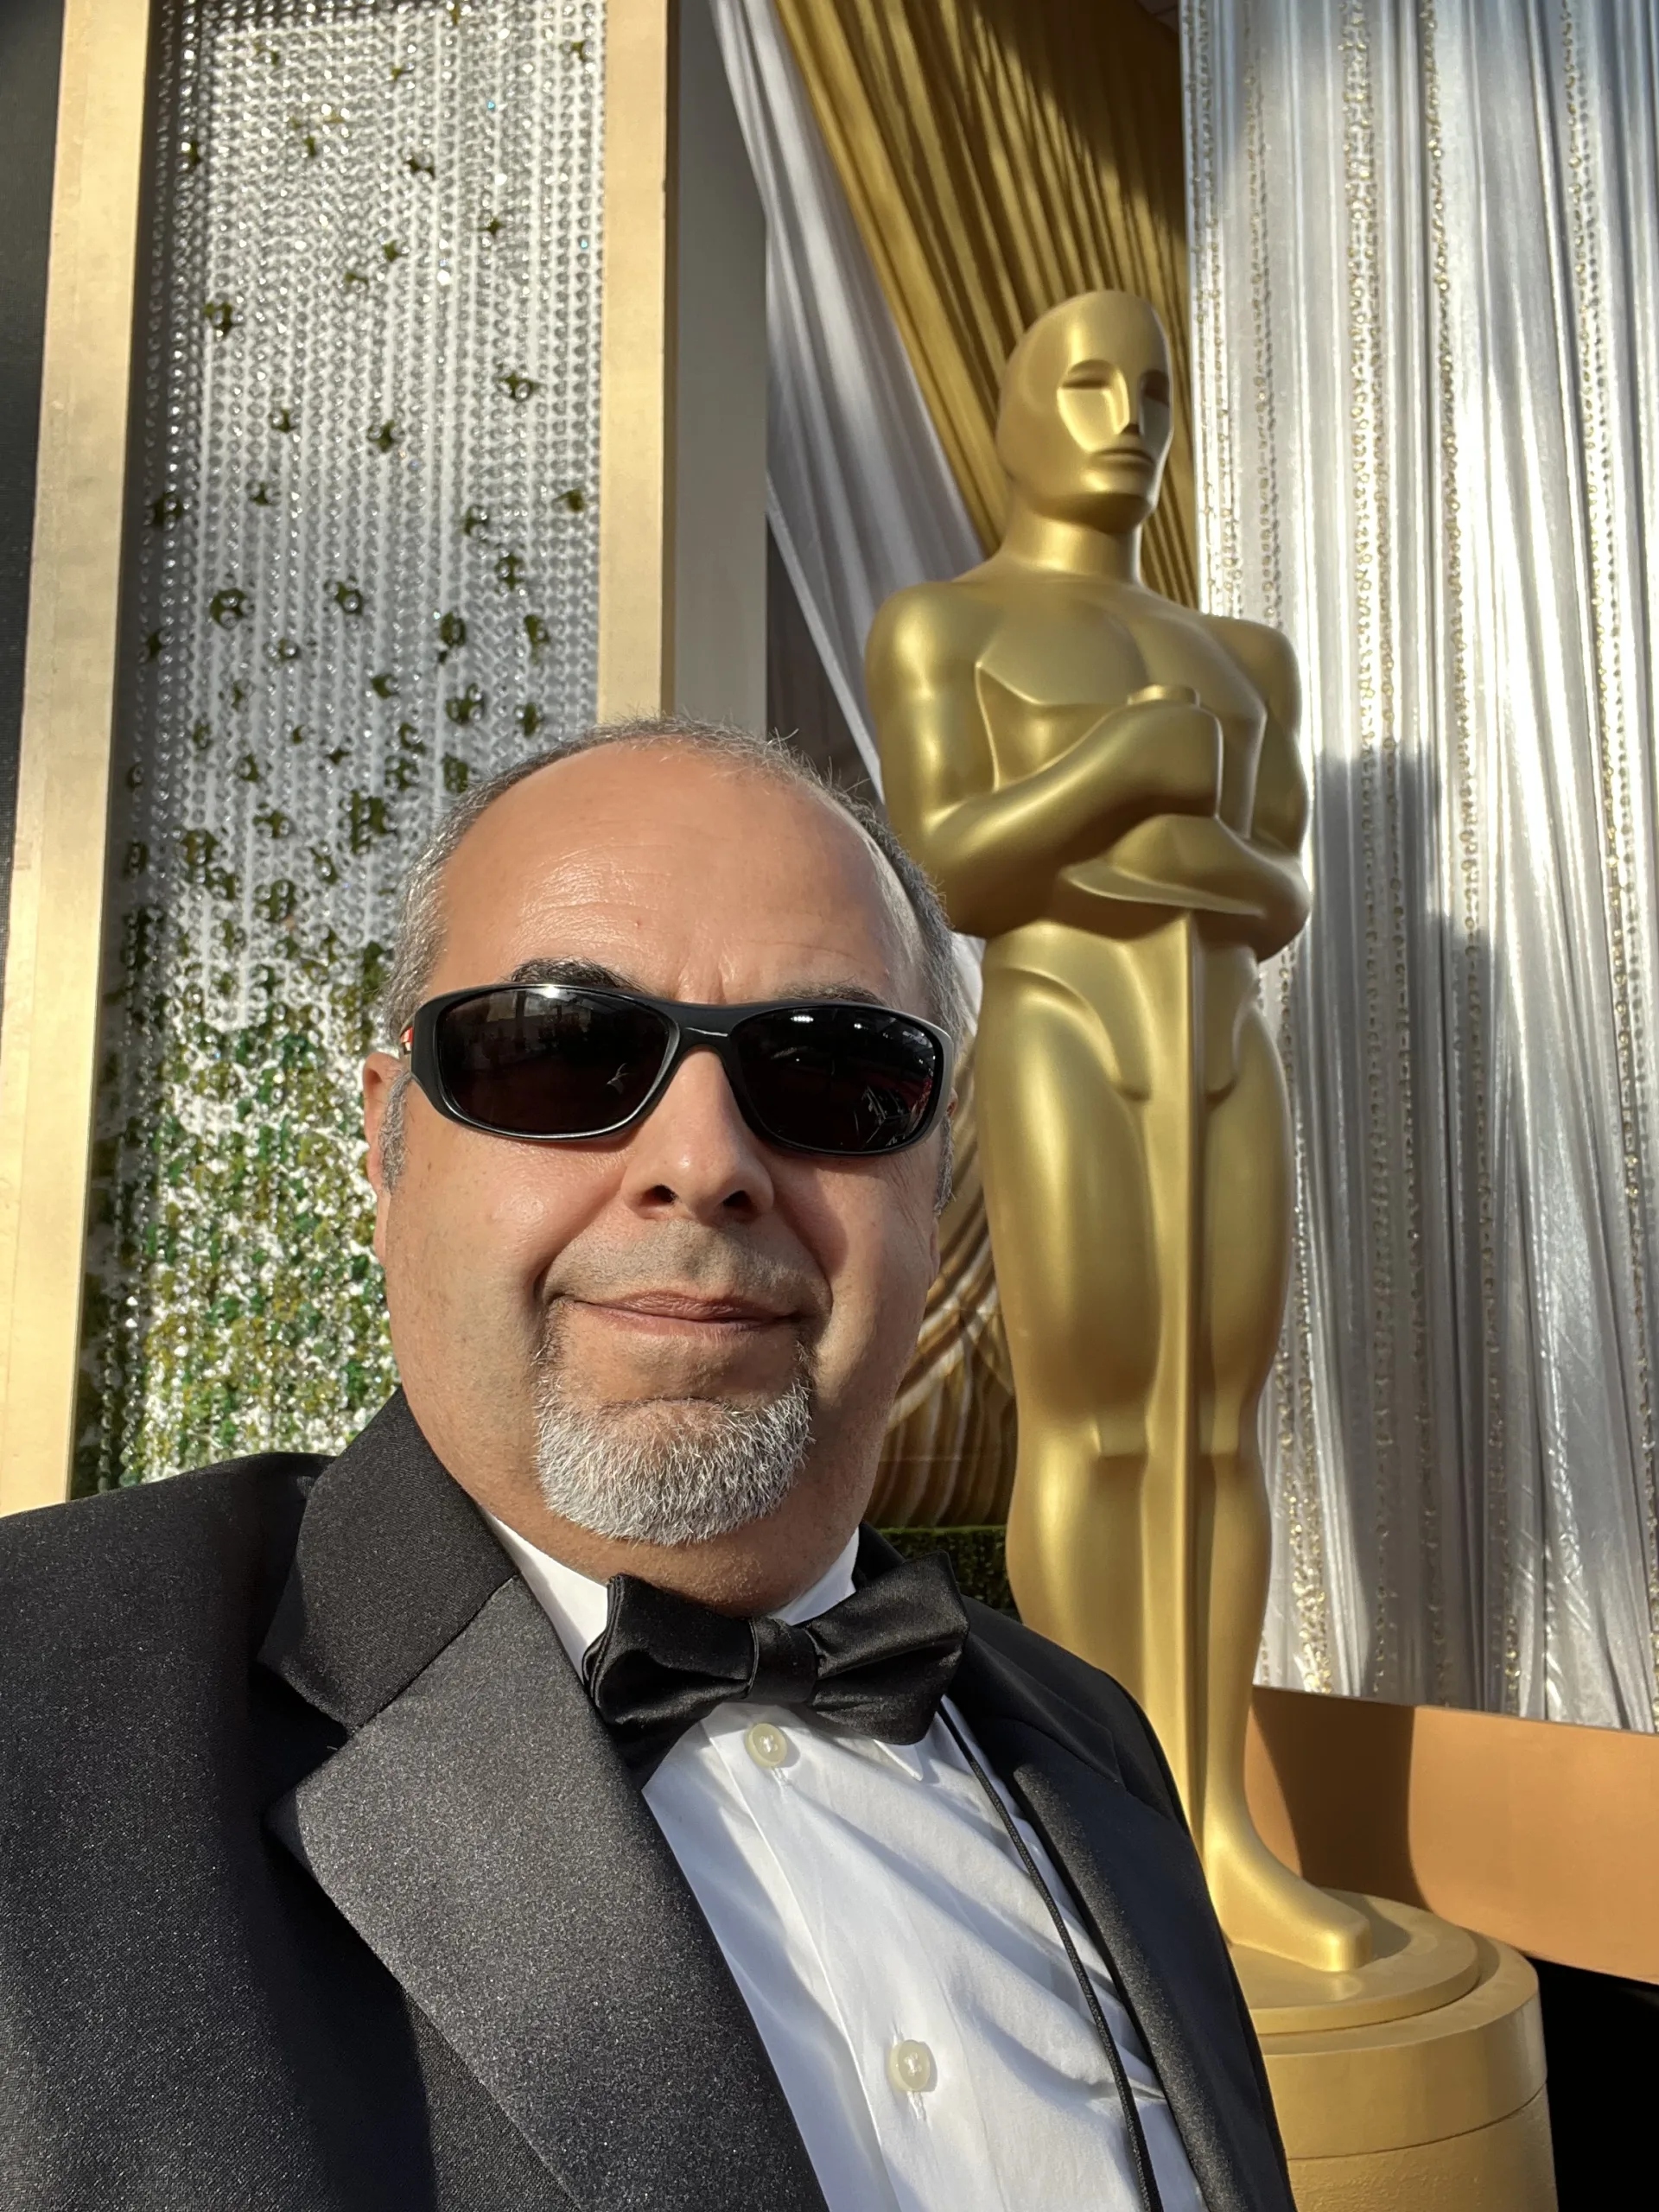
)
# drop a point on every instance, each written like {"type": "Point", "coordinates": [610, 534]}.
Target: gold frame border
{"type": "Point", "coordinates": [636, 438]}
{"type": "Point", "coordinates": [48, 1038]}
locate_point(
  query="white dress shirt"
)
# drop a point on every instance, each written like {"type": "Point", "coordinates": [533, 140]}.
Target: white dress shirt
{"type": "Point", "coordinates": [905, 1977]}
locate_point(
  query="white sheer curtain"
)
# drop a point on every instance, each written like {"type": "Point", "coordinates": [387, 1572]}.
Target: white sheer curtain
{"type": "Point", "coordinates": [1425, 241]}
{"type": "Point", "coordinates": [859, 496]}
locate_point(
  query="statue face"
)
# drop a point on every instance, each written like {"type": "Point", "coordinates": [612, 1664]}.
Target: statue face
{"type": "Point", "coordinates": [1086, 421]}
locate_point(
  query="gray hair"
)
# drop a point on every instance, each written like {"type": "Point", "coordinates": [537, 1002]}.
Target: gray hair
{"type": "Point", "coordinates": [420, 918]}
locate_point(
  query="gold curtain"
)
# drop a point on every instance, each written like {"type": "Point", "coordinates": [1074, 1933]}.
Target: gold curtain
{"type": "Point", "coordinates": [999, 156]}
{"type": "Point", "coordinates": [950, 1447]}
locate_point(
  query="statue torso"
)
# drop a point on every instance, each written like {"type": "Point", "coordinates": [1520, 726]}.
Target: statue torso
{"type": "Point", "coordinates": [1059, 652]}
{"type": "Point", "coordinates": [1050, 655]}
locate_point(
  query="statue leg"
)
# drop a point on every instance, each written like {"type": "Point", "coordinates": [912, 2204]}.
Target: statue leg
{"type": "Point", "coordinates": [1247, 1234]}
{"type": "Point", "coordinates": [1070, 1232]}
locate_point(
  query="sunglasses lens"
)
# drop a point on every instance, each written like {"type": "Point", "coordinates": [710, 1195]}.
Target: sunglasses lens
{"type": "Point", "coordinates": [535, 1066]}
{"type": "Point", "coordinates": [838, 1078]}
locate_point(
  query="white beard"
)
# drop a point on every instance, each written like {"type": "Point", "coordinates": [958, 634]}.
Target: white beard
{"type": "Point", "coordinates": [669, 1471]}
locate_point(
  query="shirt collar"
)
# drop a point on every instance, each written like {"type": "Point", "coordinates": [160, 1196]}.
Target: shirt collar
{"type": "Point", "coordinates": [576, 1604]}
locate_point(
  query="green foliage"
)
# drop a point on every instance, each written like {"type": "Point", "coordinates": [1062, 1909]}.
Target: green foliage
{"type": "Point", "coordinates": [367, 820]}
{"type": "Point", "coordinates": [230, 606]}
{"type": "Point", "coordinates": [232, 1210]}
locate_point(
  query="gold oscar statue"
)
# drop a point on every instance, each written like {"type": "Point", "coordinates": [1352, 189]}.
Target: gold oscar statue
{"type": "Point", "coordinates": [1106, 787]}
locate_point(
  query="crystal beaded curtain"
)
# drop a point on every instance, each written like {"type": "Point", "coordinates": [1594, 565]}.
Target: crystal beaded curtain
{"type": "Point", "coordinates": [1425, 244]}
{"type": "Point", "coordinates": [364, 573]}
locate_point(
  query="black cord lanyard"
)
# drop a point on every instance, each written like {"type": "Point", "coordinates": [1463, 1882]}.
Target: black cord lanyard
{"type": "Point", "coordinates": [1139, 2158]}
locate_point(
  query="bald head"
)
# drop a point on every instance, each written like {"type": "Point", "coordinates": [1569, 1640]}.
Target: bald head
{"type": "Point", "coordinates": [636, 751]}
{"type": "Point", "coordinates": [670, 865]}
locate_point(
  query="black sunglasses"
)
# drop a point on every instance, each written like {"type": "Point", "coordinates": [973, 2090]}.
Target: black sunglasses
{"type": "Point", "coordinates": [555, 1062]}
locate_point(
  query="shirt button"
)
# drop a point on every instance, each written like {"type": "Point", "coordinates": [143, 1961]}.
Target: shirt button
{"type": "Point", "coordinates": [911, 2069]}
{"type": "Point", "coordinates": [767, 1745]}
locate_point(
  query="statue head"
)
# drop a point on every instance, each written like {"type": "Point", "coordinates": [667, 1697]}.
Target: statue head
{"type": "Point", "coordinates": [1084, 425]}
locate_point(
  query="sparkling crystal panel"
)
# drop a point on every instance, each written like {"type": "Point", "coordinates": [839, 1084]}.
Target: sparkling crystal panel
{"type": "Point", "coordinates": [364, 573]}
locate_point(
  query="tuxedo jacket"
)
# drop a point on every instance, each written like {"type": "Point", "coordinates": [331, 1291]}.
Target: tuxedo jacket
{"type": "Point", "coordinates": [323, 1889]}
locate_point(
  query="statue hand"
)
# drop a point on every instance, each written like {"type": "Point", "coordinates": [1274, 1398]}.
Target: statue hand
{"type": "Point", "coordinates": [1165, 752]}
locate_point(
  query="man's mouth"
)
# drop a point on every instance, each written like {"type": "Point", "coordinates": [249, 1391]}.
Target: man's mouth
{"type": "Point", "coordinates": [668, 1310]}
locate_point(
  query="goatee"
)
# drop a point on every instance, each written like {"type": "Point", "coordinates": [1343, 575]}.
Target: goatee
{"type": "Point", "coordinates": [666, 1470]}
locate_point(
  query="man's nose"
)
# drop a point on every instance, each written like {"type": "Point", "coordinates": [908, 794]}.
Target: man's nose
{"type": "Point", "coordinates": [1124, 399]}
{"type": "Point", "coordinates": [694, 1154]}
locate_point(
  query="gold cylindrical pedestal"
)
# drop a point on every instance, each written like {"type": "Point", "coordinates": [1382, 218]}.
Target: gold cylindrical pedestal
{"type": "Point", "coordinates": [1413, 2084]}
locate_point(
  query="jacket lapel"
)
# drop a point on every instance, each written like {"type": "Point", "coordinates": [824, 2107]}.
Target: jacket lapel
{"type": "Point", "coordinates": [481, 1836]}
{"type": "Point", "coordinates": [1137, 1880]}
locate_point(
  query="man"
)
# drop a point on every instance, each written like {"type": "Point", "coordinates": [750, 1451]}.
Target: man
{"type": "Point", "coordinates": [362, 1848]}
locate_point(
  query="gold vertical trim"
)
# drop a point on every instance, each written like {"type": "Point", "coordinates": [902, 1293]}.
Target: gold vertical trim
{"type": "Point", "coordinates": [635, 533]}
{"type": "Point", "coordinates": [50, 1031]}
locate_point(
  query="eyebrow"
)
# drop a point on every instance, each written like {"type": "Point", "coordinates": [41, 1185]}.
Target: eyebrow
{"type": "Point", "coordinates": [597, 977]}
{"type": "Point", "coordinates": [589, 972]}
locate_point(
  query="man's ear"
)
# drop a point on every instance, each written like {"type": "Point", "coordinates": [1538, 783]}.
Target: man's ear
{"type": "Point", "coordinates": [380, 1074]}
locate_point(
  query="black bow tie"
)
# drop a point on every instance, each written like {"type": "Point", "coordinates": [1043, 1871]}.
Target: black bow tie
{"type": "Point", "coordinates": [877, 1664]}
